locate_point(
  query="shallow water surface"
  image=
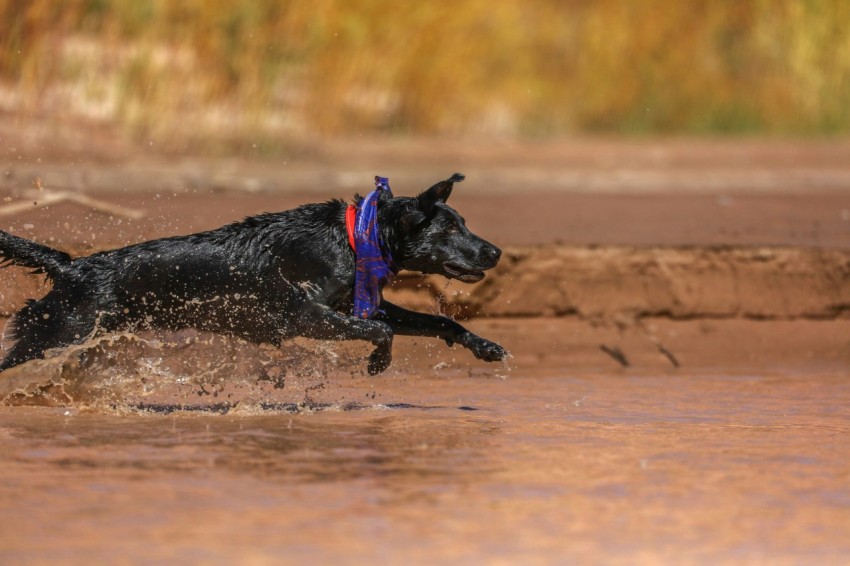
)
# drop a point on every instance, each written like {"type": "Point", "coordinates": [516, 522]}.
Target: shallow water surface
{"type": "Point", "coordinates": [541, 467]}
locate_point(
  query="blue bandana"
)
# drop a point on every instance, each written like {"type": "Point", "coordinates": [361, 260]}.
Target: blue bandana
{"type": "Point", "coordinates": [374, 265]}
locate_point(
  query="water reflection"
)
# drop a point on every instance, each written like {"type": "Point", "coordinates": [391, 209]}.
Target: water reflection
{"type": "Point", "coordinates": [332, 446]}
{"type": "Point", "coordinates": [551, 467]}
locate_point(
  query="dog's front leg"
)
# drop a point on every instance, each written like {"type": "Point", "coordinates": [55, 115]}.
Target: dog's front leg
{"type": "Point", "coordinates": [411, 323]}
{"type": "Point", "coordinates": [322, 323]}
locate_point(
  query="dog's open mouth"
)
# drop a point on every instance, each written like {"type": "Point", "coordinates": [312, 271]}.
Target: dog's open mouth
{"type": "Point", "coordinates": [463, 273]}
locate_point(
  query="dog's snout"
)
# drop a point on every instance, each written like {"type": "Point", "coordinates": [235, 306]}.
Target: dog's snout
{"type": "Point", "coordinates": [492, 253]}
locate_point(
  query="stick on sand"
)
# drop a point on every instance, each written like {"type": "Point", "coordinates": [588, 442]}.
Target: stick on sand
{"type": "Point", "coordinates": [40, 198]}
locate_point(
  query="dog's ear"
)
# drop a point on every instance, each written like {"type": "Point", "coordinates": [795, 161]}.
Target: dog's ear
{"type": "Point", "coordinates": [412, 219]}
{"type": "Point", "coordinates": [438, 193]}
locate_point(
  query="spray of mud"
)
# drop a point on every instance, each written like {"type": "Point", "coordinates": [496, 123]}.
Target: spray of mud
{"type": "Point", "coordinates": [189, 371]}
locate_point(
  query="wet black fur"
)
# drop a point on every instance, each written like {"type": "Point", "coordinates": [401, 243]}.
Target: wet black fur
{"type": "Point", "coordinates": [264, 279]}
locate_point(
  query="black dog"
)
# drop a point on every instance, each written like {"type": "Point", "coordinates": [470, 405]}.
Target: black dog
{"type": "Point", "coordinates": [267, 278]}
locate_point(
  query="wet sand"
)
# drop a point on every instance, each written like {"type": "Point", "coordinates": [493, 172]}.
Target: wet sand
{"type": "Point", "coordinates": [677, 391]}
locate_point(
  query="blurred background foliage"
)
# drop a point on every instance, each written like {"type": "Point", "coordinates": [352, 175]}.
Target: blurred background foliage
{"type": "Point", "coordinates": [235, 70]}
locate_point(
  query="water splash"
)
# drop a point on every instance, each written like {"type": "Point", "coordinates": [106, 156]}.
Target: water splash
{"type": "Point", "coordinates": [186, 370]}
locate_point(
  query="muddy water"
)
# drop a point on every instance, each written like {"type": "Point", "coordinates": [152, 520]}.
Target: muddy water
{"type": "Point", "coordinates": [279, 461]}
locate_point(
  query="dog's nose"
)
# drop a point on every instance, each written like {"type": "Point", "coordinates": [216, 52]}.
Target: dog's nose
{"type": "Point", "coordinates": [493, 253]}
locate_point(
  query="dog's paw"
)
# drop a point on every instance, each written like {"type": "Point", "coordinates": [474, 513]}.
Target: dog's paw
{"type": "Point", "coordinates": [379, 360]}
{"type": "Point", "coordinates": [484, 349]}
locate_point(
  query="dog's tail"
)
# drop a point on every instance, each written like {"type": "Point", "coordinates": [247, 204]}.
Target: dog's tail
{"type": "Point", "coordinates": [26, 253]}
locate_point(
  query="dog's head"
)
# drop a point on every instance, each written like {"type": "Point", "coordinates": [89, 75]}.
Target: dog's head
{"type": "Point", "coordinates": [427, 235]}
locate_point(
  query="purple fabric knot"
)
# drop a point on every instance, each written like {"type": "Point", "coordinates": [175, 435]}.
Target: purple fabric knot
{"type": "Point", "coordinates": [374, 264]}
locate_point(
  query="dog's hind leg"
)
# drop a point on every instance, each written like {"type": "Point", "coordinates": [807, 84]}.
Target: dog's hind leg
{"type": "Point", "coordinates": [45, 324]}
{"type": "Point", "coordinates": [24, 350]}
{"type": "Point", "coordinates": [34, 342]}
{"type": "Point", "coordinates": [322, 323]}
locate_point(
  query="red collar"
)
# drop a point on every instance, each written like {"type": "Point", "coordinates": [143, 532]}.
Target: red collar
{"type": "Point", "coordinates": [350, 214]}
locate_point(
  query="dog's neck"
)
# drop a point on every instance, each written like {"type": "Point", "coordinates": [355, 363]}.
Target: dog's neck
{"type": "Point", "coordinates": [385, 235]}
{"type": "Point", "coordinates": [374, 266]}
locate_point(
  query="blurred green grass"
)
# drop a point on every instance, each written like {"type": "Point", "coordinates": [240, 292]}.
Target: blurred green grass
{"type": "Point", "coordinates": [232, 71]}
